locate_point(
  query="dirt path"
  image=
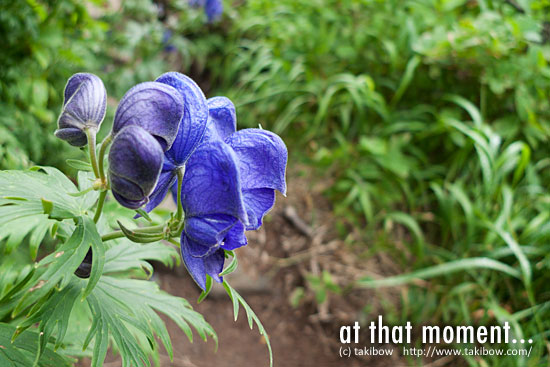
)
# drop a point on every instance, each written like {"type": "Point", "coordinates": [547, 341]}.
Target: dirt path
{"type": "Point", "coordinates": [297, 241]}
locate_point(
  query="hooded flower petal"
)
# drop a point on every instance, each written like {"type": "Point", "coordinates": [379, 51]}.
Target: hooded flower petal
{"type": "Point", "coordinates": [194, 119]}
{"type": "Point", "coordinates": [211, 184]}
{"type": "Point", "coordinates": [155, 107]}
{"type": "Point", "coordinates": [135, 163]}
{"type": "Point", "coordinates": [84, 106]}
{"type": "Point", "coordinates": [208, 232]}
{"type": "Point", "coordinates": [198, 267]}
{"type": "Point", "coordinates": [257, 202]}
{"type": "Point", "coordinates": [222, 119]}
{"type": "Point", "coordinates": [235, 237]}
{"type": "Point", "coordinates": [213, 205]}
{"type": "Point", "coordinates": [166, 180]}
{"type": "Point", "coordinates": [262, 159]}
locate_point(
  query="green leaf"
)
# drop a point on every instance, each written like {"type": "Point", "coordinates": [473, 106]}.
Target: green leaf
{"type": "Point", "coordinates": [22, 352]}
{"type": "Point", "coordinates": [85, 182]}
{"type": "Point", "coordinates": [207, 289]}
{"type": "Point", "coordinates": [79, 165]}
{"type": "Point", "coordinates": [32, 201]}
{"type": "Point", "coordinates": [439, 270]}
{"type": "Point", "coordinates": [406, 80]}
{"type": "Point", "coordinates": [126, 255]}
{"type": "Point", "coordinates": [144, 214]}
{"type": "Point", "coordinates": [27, 188]}
{"type": "Point", "coordinates": [52, 314]}
{"type": "Point", "coordinates": [122, 307]}
{"type": "Point", "coordinates": [57, 269]}
{"type": "Point", "coordinates": [236, 298]}
{"type": "Point", "coordinates": [232, 265]}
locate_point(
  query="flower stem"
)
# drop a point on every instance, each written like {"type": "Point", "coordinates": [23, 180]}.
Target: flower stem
{"type": "Point", "coordinates": [104, 145]}
{"type": "Point", "coordinates": [100, 203]}
{"type": "Point", "coordinates": [90, 134]}
{"type": "Point", "coordinates": [180, 173]}
{"type": "Point", "coordinates": [112, 236]}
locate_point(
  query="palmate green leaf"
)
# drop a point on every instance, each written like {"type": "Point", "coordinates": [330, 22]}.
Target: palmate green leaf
{"type": "Point", "coordinates": [237, 299]}
{"type": "Point", "coordinates": [53, 314]}
{"type": "Point", "coordinates": [23, 188]}
{"type": "Point", "coordinates": [121, 306]}
{"type": "Point", "coordinates": [32, 201]}
{"type": "Point", "coordinates": [57, 269]}
{"type": "Point", "coordinates": [22, 352]}
{"type": "Point", "coordinates": [126, 255]}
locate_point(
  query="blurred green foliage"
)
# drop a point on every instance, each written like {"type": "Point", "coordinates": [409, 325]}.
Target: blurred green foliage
{"type": "Point", "coordinates": [431, 117]}
{"type": "Point", "coordinates": [43, 42]}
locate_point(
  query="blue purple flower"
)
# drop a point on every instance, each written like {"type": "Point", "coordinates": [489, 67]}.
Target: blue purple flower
{"type": "Point", "coordinates": [214, 210]}
{"type": "Point", "coordinates": [189, 135]}
{"type": "Point", "coordinates": [251, 163]}
{"type": "Point", "coordinates": [84, 106]}
{"type": "Point", "coordinates": [155, 107]}
{"type": "Point", "coordinates": [135, 161]}
{"type": "Point", "coordinates": [136, 157]}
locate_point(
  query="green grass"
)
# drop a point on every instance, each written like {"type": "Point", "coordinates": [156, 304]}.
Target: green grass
{"type": "Point", "coordinates": [431, 116]}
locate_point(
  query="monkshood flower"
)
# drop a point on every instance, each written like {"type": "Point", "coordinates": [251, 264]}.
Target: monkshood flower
{"type": "Point", "coordinates": [262, 157]}
{"type": "Point", "coordinates": [135, 161]}
{"type": "Point", "coordinates": [190, 133]}
{"type": "Point", "coordinates": [212, 8]}
{"type": "Point", "coordinates": [84, 106]}
{"type": "Point", "coordinates": [213, 204]}
{"type": "Point", "coordinates": [259, 158]}
{"type": "Point", "coordinates": [157, 109]}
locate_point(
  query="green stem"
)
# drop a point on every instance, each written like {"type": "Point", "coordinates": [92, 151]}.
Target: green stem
{"type": "Point", "coordinates": [112, 236]}
{"type": "Point", "coordinates": [100, 203]}
{"type": "Point", "coordinates": [90, 134]}
{"type": "Point", "coordinates": [104, 145]}
{"type": "Point", "coordinates": [180, 173]}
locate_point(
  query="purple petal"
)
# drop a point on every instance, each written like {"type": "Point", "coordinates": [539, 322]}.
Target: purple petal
{"type": "Point", "coordinates": [84, 106]}
{"type": "Point", "coordinates": [222, 119]}
{"type": "Point", "coordinates": [211, 184]}
{"type": "Point", "coordinates": [198, 267]}
{"type": "Point", "coordinates": [72, 135]}
{"type": "Point", "coordinates": [135, 163]}
{"type": "Point", "coordinates": [214, 265]}
{"type": "Point", "coordinates": [235, 238]}
{"type": "Point", "coordinates": [208, 232]}
{"type": "Point", "coordinates": [257, 202]}
{"type": "Point", "coordinates": [262, 159]}
{"type": "Point", "coordinates": [155, 107]}
{"type": "Point", "coordinates": [194, 120]}
{"type": "Point", "coordinates": [85, 98]}
{"type": "Point", "coordinates": [166, 180]}
{"type": "Point", "coordinates": [131, 204]}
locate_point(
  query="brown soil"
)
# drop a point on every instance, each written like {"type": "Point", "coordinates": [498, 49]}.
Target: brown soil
{"type": "Point", "coordinates": [295, 242]}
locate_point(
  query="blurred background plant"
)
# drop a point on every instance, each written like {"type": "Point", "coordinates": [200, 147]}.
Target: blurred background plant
{"type": "Point", "coordinates": [430, 118]}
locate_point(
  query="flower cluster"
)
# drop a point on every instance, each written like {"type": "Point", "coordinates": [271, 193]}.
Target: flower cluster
{"type": "Point", "coordinates": [167, 129]}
